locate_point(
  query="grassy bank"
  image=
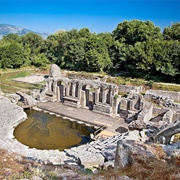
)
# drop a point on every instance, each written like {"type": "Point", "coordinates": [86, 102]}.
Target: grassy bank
{"type": "Point", "coordinates": [7, 75]}
{"type": "Point", "coordinates": [7, 83]}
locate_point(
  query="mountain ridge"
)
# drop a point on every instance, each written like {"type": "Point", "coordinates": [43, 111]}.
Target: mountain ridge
{"type": "Point", "coordinates": [6, 29]}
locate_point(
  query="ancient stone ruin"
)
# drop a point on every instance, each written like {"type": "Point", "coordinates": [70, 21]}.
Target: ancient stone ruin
{"type": "Point", "coordinates": [151, 111]}
{"type": "Point", "coordinates": [151, 117]}
{"type": "Point", "coordinates": [91, 94]}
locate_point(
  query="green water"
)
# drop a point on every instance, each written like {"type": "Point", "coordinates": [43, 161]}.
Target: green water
{"type": "Point", "coordinates": [44, 131]}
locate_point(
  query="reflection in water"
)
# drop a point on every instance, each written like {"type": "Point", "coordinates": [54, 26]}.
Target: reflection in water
{"type": "Point", "coordinates": [44, 131]}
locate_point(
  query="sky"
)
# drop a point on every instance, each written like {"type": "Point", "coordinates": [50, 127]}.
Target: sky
{"type": "Point", "coordinates": [97, 15]}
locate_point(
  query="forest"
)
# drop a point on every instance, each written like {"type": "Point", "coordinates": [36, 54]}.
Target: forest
{"type": "Point", "coordinates": [135, 47]}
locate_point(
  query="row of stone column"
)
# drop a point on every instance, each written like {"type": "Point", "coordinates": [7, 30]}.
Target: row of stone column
{"type": "Point", "coordinates": [73, 89]}
{"type": "Point", "coordinates": [102, 95]}
{"type": "Point", "coordinates": [106, 94]}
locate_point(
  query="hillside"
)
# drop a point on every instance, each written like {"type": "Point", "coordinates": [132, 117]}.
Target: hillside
{"type": "Point", "coordinates": [11, 29]}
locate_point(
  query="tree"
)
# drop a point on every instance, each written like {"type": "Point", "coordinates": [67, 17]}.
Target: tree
{"type": "Point", "coordinates": [142, 57]}
{"type": "Point", "coordinates": [12, 37]}
{"type": "Point", "coordinates": [12, 55]}
{"type": "Point", "coordinates": [40, 61]}
{"type": "Point", "coordinates": [167, 55]}
{"type": "Point", "coordinates": [118, 53]}
{"type": "Point", "coordinates": [94, 61]}
{"type": "Point", "coordinates": [96, 45]}
{"type": "Point", "coordinates": [172, 33]}
{"type": "Point", "coordinates": [34, 42]}
{"type": "Point", "coordinates": [55, 47]}
{"type": "Point", "coordinates": [134, 31]}
{"type": "Point", "coordinates": [84, 33]}
{"type": "Point", "coordinates": [75, 54]}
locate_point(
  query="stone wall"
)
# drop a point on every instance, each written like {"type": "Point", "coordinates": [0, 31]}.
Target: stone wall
{"type": "Point", "coordinates": [10, 116]}
{"type": "Point", "coordinates": [127, 89]}
{"type": "Point", "coordinates": [162, 101]}
{"type": "Point", "coordinates": [158, 111]}
{"type": "Point", "coordinates": [171, 94]}
{"type": "Point", "coordinates": [146, 114]}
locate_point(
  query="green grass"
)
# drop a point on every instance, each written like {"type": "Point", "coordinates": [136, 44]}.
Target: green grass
{"type": "Point", "coordinates": [10, 86]}
{"type": "Point", "coordinates": [166, 87]}
{"type": "Point", "coordinates": [19, 74]}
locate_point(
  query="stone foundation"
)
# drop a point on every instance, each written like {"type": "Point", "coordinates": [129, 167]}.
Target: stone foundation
{"type": "Point", "coordinates": [70, 101]}
{"type": "Point", "coordinates": [103, 108]}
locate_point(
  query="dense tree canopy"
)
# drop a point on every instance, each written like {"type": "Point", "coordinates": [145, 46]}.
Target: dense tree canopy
{"type": "Point", "coordinates": [172, 33]}
{"type": "Point", "coordinates": [134, 31]}
{"type": "Point", "coordinates": [135, 46]}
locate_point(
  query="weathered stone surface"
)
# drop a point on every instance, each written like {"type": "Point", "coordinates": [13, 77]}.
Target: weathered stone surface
{"type": "Point", "coordinates": [101, 151]}
{"type": "Point", "coordinates": [163, 101]}
{"type": "Point", "coordinates": [54, 71]}
{"type": "Point", "coordinates": [127, 89]}
{"type": "Point", "coordinates": [89, 159]}
{"type": "Point", "coordinates": [139, 136]}
{"type": "Point", "coordinates": [171, 94]}
{"type": "Point", "coordinates": [129, 151]}
{"type": "Point", "coordinates": [165, 133]}
{"type": "Point", "coordinates": [146, 114]}
{"type": "Point", "coordinates": [27, 100]}
{"type": "Point", "coordinates": [10, 113]}
{"type": "Point", "coordinates": [168, 116]}
{"type": "Point", "coordinates": [137, 125]}
{"type": "Point", "coordinates": [13, 97]}
{"type": "Point", "coordinates": [103, 108]}
{"type": "Point", "coordinates": [123, 155]}
{"type": "Point", "coordinates": [87, 156]}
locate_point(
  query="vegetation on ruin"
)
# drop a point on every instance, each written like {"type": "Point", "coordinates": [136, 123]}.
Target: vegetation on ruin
{"type": "Point", "coordinates": [136, 47]}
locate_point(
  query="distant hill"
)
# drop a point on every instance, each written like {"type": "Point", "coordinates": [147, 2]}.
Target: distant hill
{"type": "Point", "coordinates": [6, 29]}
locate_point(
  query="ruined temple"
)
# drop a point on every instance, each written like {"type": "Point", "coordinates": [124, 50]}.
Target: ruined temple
{"type": "Point", "coordinates": [91, 94]}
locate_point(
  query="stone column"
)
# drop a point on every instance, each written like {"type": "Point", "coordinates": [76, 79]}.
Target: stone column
{"type": "Point", "coordinates": [131, 105]}
{"type": "Point", "coordinates": [79, 92]}
{"type": "Point", "coordinates": [96, 96]}
{"type": "Point", "coordinates": [49, 86]}
{"type": "Point", "coordinates": [73, 90]}
{"type": "Point", "coordinates": [54, 87]}
{"type": "Point", "coordinates": [83, 99]}
{"type": "Point", "coordinates": [103, 96]}
{"type": "Point", "coordinates": [58, 93]}
{"type": "Point", "coordinates": [67, 89]}
{"type": "Point", "coordinates": [110, 97]}
{"type": "Point", "coordinates": [116, 105]}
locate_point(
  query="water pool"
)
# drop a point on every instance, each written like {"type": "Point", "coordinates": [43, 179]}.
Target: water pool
{"type": "Point", "coordinates": [45, 131]}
